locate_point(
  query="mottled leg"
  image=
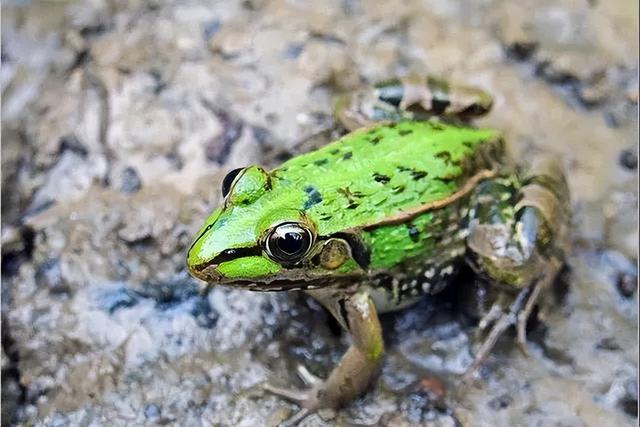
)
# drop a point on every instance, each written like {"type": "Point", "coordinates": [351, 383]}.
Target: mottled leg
{"type": "Point", "coordinates": [517, 242]}
{"type": "Point", "coordinates": [355, 371]}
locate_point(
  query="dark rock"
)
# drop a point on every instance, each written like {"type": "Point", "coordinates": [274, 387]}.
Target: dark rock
{"type": "Point", "coordinates": [73, 144]}
{"type": "Point", "coordinates": [219, 148]}
{"type": "Point", "coordinates": [49, 275]}
{"type": "Point", "coordinates": [210, 28]}
{"type": "Point", "coordinates": [608, 343]}
{"type": "Point", "coordinates": [627, 284]}
{"type": "Point", "coordinates": [151, 411]}
{"type": "Point", "coordinates": [205, 315]}
{"type": "Point", "coordinates": [131, 182]}
{"type": "Point", "coordinates": [293, 50]}
{"type": "Point", "coordinates": [629, 159]}
{"type": "Point", "coordinates": [522, 50]}
{"type": "Point", "coordinates": [116, 299]}
{"type": "Point", "coordinates": [500, 402]}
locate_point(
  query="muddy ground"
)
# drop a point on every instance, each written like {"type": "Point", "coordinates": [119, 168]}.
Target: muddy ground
{"type": "Point", "coordinates": [119, 120]}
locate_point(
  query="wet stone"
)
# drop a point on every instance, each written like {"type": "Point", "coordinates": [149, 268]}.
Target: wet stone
{"type": "Point", "coordinates": [135, 343]}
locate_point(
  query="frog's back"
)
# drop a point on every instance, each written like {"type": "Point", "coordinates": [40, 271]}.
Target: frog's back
{"type": "Point", "coordinates": [372, 174]}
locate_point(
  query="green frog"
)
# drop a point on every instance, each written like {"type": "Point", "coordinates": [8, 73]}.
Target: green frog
{"type": "Point", "coordinates": [386, 214]}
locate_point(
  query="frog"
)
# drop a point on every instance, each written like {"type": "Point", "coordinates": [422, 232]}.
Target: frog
{"type": "Point", "coordinates": [390, 211]}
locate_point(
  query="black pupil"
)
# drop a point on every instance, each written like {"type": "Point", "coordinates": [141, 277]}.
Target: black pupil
{"type": "Point", "coordinates": [291, 243]}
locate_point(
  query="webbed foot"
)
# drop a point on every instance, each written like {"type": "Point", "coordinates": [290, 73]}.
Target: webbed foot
{"type": "Point", "coordinates": [517, 315]}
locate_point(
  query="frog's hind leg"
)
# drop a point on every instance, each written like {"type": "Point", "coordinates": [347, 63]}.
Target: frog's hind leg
{"type": "Point", "coordinates": [517, 242]}
{"type": "Point", "coordinates": [357, 367]}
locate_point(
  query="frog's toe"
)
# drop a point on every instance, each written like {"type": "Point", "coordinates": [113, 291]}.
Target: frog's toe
{"type": "Point", "coordinates": [307, 399]}
{"type": "Point", "coordinates": [307, 377]}
{"type": "Point", "coordinates": [296, 419]}
{"type": "Point", "coordinates": [490, 318]}
{"type": "Point", "coordinates": [304, 398]}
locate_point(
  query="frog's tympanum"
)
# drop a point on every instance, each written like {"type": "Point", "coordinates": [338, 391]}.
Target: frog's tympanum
{"type": "Point", "coordinates": [387, 213]}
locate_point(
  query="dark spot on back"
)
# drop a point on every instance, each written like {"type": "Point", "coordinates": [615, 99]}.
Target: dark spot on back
{"type": "Point", "coordinates": [313, 197]}
{"type": "Point", "coordinates": [446, 179]}
{"type": "Point", "coordinates": [414, 234]}
{"type": "Point", "coordinates": [375, 140]}
{"type": "Point", "coordinates": [415, 173]}
{"type": "Point", "coordinates": [378, 177]}
{"type": "Point", "coordinates": [436, 126]}
{"type": "Point", "coordinates": [392, 125]}
{"type": "Point", "coordinates": [398, 189]}
{"type": "Point", "coordinates": [347, 156]}
{"type": "Point", "coordinates": [404, 132]}
{"type": "Point", "coordinates": [321, 162]}
{"type": "Point", "coordinates": [334, 151]}
{"type": "Point", "coordinates": [445, 156]}
{"type": "Point", "coordinates": [467, 144]}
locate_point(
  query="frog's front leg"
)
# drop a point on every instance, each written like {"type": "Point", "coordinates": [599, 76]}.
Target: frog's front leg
{"type": "Point", "coordinates": [517, 241]}
{"type": "Point", "coordinates": [356, 369]}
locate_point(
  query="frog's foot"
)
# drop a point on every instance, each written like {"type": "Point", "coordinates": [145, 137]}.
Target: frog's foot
{"type": "Point", "coordinates": [517, 315]}
{"type": "Point", "coordinates": [501, 322]}
{"type": "Point", "coordinates": [356, 369]}
{"type": "Point", "coordinates": [306, 398]}
{"type": "Point", "coordinates": [545, 281]}
{"type": "Point", "coordinates": [495, 312]}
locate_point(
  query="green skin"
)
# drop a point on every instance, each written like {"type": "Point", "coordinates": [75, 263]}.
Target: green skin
{"type": "Point", "coordinates": [391, 211]}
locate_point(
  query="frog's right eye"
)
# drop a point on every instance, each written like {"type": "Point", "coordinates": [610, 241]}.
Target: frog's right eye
{"type": "Point", "coordinates": [288, 242]}
{"type": "Point", "coordinates": [228, 180]}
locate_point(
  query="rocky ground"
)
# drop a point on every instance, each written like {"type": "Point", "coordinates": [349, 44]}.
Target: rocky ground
{"type": "Point", "coordinates": [119, 120]}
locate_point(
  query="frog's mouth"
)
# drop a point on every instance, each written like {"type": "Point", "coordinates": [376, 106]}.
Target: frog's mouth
{"type": "Point", "coordinates": [287, 280]}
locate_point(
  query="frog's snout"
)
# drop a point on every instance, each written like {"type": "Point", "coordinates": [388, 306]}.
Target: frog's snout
{"type": "Point", "coordinates": [207, 272]}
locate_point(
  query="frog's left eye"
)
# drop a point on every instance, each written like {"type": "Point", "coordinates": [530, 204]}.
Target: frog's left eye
{"type": "Point", "coordinates": [288, 242]}
{"type": "Point", "coordinates": [228, 180]}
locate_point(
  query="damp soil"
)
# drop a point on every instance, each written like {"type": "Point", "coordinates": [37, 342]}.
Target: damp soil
{"type": "Point", "coordinates": [119, 121]}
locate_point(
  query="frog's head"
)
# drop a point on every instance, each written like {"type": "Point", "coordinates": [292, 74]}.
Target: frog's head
{"type": "Point", "coordinates": [261, 239]}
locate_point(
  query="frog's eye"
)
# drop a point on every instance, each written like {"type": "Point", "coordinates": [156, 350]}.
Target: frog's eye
{"type": "Point", "coordinates": [228, 180]}
{"type": "Point", "coordinates": [288, 242]}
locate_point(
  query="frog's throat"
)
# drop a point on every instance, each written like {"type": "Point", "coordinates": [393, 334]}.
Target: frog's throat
{"type": "Point", "coordinates": [408, 214]}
